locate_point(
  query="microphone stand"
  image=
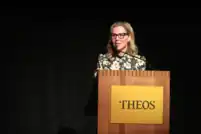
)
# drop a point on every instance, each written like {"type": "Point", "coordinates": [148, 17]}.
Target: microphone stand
{"type": "Point", "coordinates": [149, 66]}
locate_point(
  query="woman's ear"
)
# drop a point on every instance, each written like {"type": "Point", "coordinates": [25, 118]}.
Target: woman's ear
{"type": "Point", "coordinates": [129, 38]}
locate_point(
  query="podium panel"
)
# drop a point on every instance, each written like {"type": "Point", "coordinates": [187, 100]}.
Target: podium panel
{"type": "Point", "coordinates": [133, 102]}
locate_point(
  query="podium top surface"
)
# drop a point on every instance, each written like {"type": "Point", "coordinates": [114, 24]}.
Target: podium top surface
{"type": "Point", "coordinates": [146, 73]}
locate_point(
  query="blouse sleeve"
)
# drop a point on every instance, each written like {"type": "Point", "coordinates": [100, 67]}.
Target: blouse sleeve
{"type": "Point", "coordinates": [99, 65]}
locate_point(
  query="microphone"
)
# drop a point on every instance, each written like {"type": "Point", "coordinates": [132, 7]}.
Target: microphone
{"type": "Point", "coordinates": [149, 66]}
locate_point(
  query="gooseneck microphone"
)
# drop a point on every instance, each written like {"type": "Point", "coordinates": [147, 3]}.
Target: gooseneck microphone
{"type": "Point", "coordinates": [149, 66]}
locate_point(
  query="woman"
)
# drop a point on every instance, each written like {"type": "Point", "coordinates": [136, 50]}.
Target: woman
{"type": "Point", "coordinates": [122, 54]}
{"type": "Point", "coordinates": [122, 51]}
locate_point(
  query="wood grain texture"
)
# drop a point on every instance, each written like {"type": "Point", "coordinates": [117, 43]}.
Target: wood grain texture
{"type": "Point", "coordinates": [107, 78]}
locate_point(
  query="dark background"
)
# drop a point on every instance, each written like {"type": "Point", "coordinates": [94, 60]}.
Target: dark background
{"type": "Point", "coordinates": [49, 55]}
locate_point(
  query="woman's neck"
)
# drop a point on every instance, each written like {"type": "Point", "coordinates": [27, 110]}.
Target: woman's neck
{"type": "Point", "coordinates": [122, 52]}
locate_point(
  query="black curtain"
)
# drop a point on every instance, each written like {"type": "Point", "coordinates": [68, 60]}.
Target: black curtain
{"type": "Point", "coordinates": [50, 58]}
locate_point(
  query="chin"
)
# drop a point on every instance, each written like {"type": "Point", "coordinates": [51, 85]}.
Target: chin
{"type": "Point", "coordinates": [120, 48]}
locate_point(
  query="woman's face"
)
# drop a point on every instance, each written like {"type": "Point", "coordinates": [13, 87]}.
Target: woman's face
{"type": "Point", "coordinates": [120, 38]}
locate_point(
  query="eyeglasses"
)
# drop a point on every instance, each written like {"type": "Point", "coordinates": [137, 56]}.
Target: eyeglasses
{"type": "Point", "coordinates": [120, 35]}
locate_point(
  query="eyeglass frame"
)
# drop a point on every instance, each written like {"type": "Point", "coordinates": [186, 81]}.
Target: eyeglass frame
{"type": "Point", "coordinates": [120, 35]}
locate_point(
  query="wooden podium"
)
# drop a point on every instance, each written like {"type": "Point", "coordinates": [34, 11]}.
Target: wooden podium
{"type": "Point", "coordinates": [107, 78]}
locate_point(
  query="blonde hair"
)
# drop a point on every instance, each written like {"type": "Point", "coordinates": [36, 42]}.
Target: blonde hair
{"type": "Point", "coordinates": [132, 47]}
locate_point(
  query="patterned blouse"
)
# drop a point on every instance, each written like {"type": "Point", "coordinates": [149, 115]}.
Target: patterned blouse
{"type": "Point", "coordinates": [124, 62]}
{"type": "Point", "coordinates": [107, 62]}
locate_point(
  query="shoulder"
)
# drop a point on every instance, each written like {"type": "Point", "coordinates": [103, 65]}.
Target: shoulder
{"type": "Point", "coordinates": [101, 55]}
{"type": "Point", "coordinates": [104, 56]}
{"type": "Point", "coordinates": [139, 62]}
{"type": "Point", "coordinates": [138, 58]}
